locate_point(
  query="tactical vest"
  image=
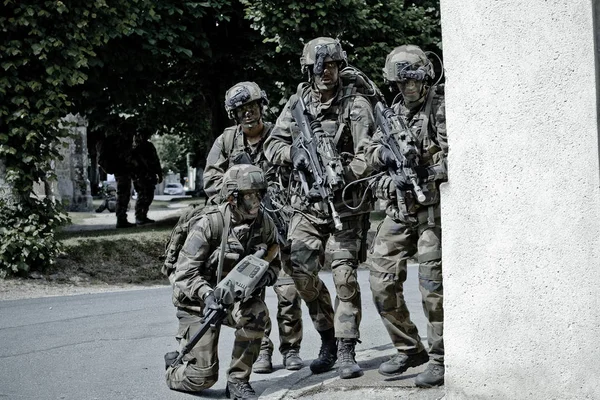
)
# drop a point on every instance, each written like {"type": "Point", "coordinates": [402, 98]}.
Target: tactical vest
{"type": "Point", "coordinates": [422, 125]}
{"type": "Point", "coordinates": [235, 147]}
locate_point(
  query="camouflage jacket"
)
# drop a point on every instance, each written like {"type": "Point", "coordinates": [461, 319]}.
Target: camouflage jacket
{"type": "Point", "coordinates": [196, 269]}
{"type": "Point", "coordinates": [429, 129]}
{"type": "Point", "coordinates": [226, 151]}
{"type": "Point", "coordinates": [145, 160]}
{"type": "Point", "coordinates": [350, 119]}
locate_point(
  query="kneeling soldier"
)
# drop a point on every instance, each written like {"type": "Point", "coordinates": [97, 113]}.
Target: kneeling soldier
{"type": "Point", "coordinates": [237, 227]}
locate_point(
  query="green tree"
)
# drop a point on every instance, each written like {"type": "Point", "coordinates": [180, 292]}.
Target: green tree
{"type": "Point", "coordinates": [368, 29]}
{"type": "Point", "coordinates": [171, 152]}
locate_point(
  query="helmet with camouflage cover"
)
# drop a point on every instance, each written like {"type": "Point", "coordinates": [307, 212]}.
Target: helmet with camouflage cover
{"type": "Point", "coordinates": [242, 177]}
{"type": "Point", "coordinates": [320, 50]}
{"type": "Point", "coordinates": [243, 93]}
{"type": "Point", "coordinates": [407, 62]}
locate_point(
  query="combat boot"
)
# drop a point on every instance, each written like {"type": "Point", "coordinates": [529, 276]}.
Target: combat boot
{"type": "Point", "coordinates": [123, 223]}
{"type": "Point", "coordinates": [347, 365]}
{"type": "Point", "coordinates": [170, 357]}
{"type": "Point", "coordinates": [144, 221]}
{"type": "Point", "coordinates": [432, 376]}
{"type": "Point", "coordinates": [263, 364]}
{"type": "Point", "coordinates": [292, 360]}
{"type": "Point", "coordinates": [401, 362]}
{"type": "Point", "coordinates": [240, 390]}
{"type": "Point", "coordinates": [327, 353]}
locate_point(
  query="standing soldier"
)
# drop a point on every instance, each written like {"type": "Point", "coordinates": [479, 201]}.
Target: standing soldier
{"type": "Point", "coordinates": [345, 124]}
{"type": "Point", "coordinates": [411, 227]}
{"type": "Point", "coordinates": [243, 144]}
{"type": "Point", "coordinates": [114, 157]}
{"type": "Point", "coordinates": [239, 226]}
{"type": "Point", "coordinates": [146, 174]}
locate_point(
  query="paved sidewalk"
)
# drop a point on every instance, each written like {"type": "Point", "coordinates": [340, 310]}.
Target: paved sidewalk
{"type": "Point", "coordinates": [328, 386]}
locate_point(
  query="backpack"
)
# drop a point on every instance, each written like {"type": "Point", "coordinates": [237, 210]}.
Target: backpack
{"type": "Point", "coordinates": [355, 82]}
{"type": "Point", "coordinates": [181, 230]}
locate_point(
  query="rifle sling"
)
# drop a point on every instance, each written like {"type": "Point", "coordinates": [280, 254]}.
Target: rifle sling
{"type": "Point", "coordinates": [224, 235]}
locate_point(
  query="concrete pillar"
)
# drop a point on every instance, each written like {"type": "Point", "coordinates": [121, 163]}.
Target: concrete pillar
{"type": "Point", "coordinates": [73, 185]}
{"type": "Point", "coordinates": [521, 211]}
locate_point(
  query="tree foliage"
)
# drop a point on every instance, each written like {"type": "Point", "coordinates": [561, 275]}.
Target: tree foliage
{"type": "Point", "coordinates": [165, 66]}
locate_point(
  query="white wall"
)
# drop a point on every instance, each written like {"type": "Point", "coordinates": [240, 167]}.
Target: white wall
{"type": "Point", "coordinates": [521, 211]}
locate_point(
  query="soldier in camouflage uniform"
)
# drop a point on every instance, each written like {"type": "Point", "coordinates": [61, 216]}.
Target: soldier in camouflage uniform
{"type": "Point", "coordinates": [243, 144]}
{"type": "Point", "coordinates": [411, 228]}
{"type": "Point", "coordinates": [347, 121]}
{"type": "Point", "coordinates": [146, 174]}
{"type": "Point", "coordinates": [195, 276]}
{"type": "Point", "coordinates": [114, 156]}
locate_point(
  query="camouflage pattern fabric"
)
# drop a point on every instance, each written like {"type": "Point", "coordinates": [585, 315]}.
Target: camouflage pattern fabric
{"type": "Point", "coordinates": [144, 185]}
{"type": "Point", "coordinates": [356, 115]}
{"type": "Point", "coordinates": [200, 368]}
{"type": "Point", "coordinates": [289, 311]}
{"type": "Point", "coordinates": [227, 150]}
{"type": "Point", "coordinates": [309, 241]}
{"type": "Point", "coordinates": [418, 233]}
{"type": "Point", "coordinates": [193, 278]}
{"type": "Point", "coordinates": [123, 195]}
{"type": "Point", "coordinates": [350, 120]}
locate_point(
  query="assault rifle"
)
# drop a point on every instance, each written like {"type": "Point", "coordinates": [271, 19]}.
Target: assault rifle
{"type": "Point", "coordinates": [273, 205]}
{"type": "Point", "coordinates": [238, 285]}
{"type": "Point", "coordinates": [404, 151]}
{"type": "Point", "coordinates": [325, 164]}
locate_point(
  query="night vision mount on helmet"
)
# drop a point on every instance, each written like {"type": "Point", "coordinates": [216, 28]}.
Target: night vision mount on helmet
{"type": "Point", "coordinates": [408, 62]}
{"type": "Point", "coordinates": [320, 50]}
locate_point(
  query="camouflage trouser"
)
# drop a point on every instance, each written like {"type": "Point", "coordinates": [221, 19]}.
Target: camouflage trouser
{"type": "Point", "coordinates": [289, 311]}
{"type": "Point", "coordinates": [200, 368]}
{"type": "Point", "coordinates": [144, 186]}
{"type": "Point", "coordinates": [393, 245]}
{"type": "Point", "coordinates": [123, 195]}
{"type": "Point", "coordinates": [309, 240]}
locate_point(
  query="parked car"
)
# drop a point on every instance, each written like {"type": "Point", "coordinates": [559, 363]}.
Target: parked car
{"type": "Point", "coordinates": [174, 189]}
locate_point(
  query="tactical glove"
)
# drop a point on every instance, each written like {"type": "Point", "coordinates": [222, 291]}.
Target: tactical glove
{"type": "Point", "coordinates": [385, 188]}
{"type": "Point", "coordinates": [210, 303]}
{"type": "Point", "coordinates": [386, 157]}
{"type": "Point", "coordinates": [300, 158]}
{"type": "Point", "coordinates": [268, 279]}
{"type": "Point", "coordinates": [402, 182]}
{"type": "Point", "coordinates": [425, 173]}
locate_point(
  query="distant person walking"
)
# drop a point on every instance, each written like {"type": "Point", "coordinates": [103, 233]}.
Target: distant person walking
{"type": "Point", "coordinates": [114, 157]}
{"type": "Point", "coordinates": [146, 174]}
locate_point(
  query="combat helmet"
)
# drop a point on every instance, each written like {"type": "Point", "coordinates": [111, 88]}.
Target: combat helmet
{"type": "Point", "coordinates": [407, 62]}
{"type": "Point", "coordinates": [243, 93]}
{"type": "Point", "coordinates": [242, 177]}
{"type": "Point", "coordinates": [318, 50]}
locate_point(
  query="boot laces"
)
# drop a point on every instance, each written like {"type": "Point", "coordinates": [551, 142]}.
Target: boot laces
{"type": "Point", "coordinates": [346, 352]}
{"type": "Point", "coordinates": [245, 389]}
{"type": "Point", "coordinates": [326, 350]}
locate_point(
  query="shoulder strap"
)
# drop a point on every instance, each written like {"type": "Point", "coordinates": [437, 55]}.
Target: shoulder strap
{"type": "Point", "coordinates": [425, 127]}
{"type": "Point", "coordinates": [229, 138]}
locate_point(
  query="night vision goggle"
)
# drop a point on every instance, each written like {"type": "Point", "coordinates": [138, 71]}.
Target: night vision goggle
{"type": "Point", "coordinates": [322, 51]}
{"type": "Point", "coordinates": [241, 97]}
{"type": "Point", "coordinates": [404, 71]}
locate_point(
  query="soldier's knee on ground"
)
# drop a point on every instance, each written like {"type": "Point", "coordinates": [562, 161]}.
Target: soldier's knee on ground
{"type": "Point", "coordinates": [346, 285]}
{"type": "Point", "coordinates": [191, 378]}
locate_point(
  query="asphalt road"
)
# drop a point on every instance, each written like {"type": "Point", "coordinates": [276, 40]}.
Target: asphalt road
{"type": "Point", "coordinates": [111, 345]}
